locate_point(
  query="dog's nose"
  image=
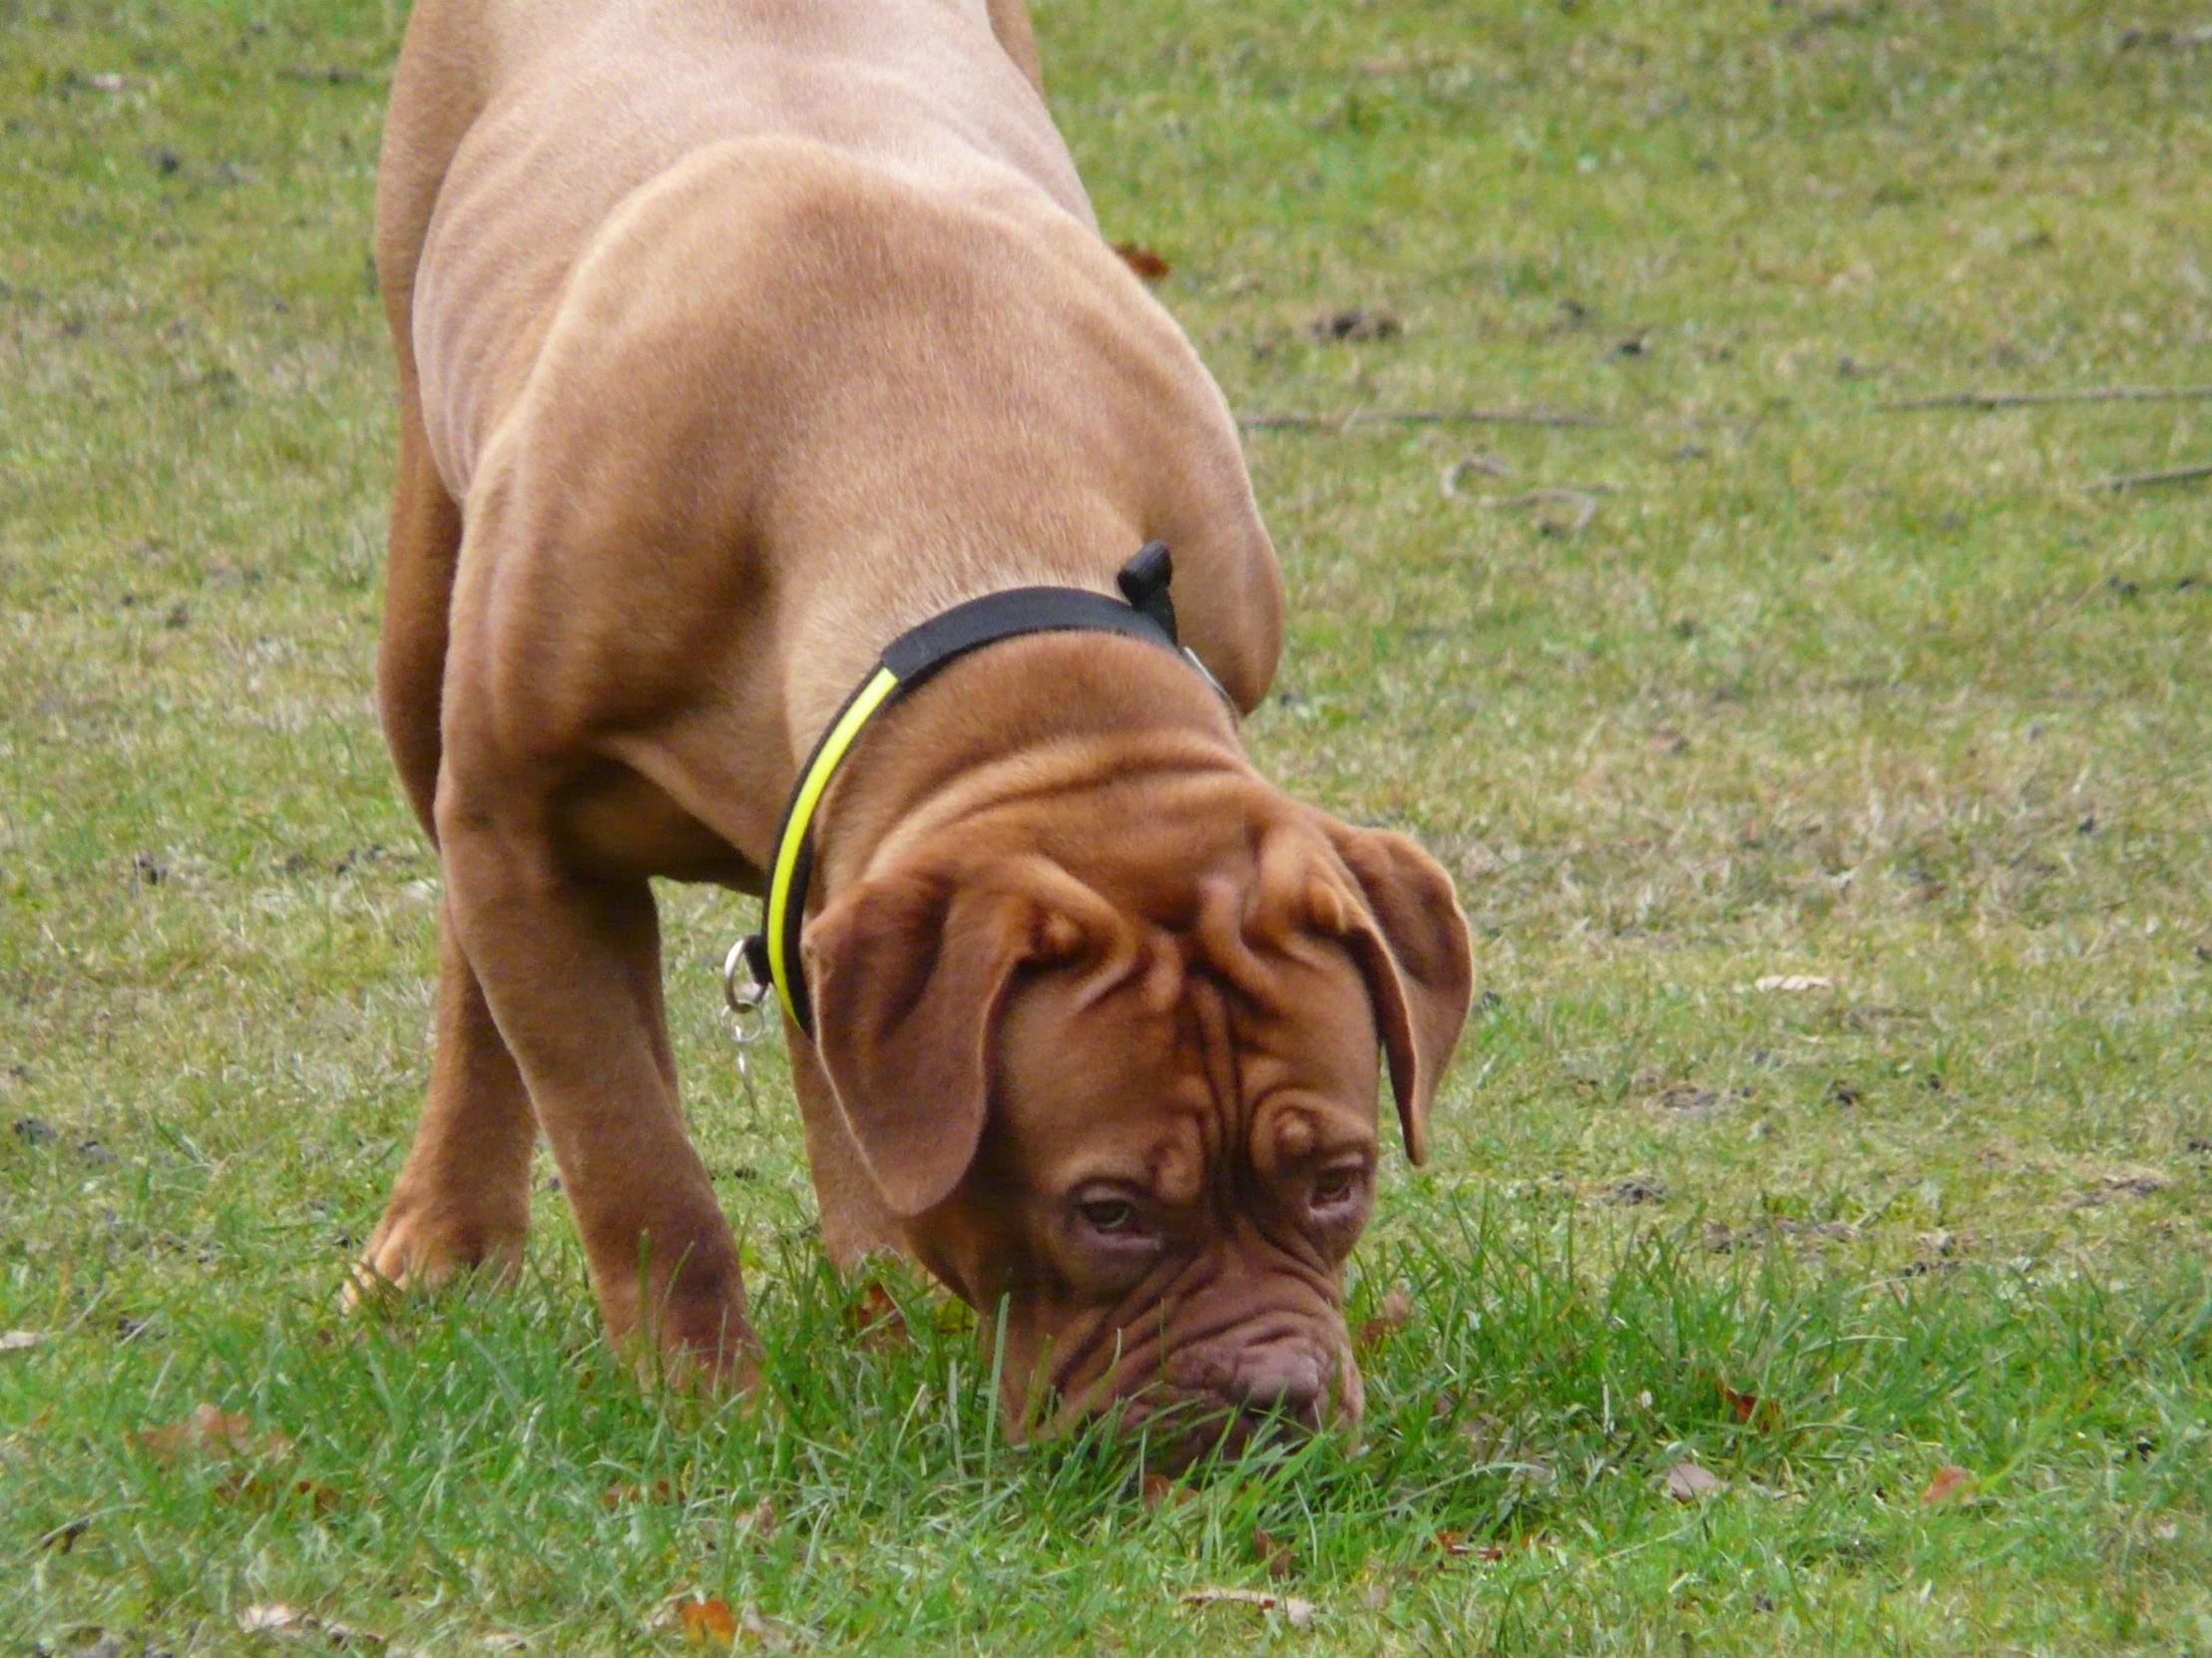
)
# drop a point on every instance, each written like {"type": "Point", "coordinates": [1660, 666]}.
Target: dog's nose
{"type": "Point", "coordinates": [1284, 1379]}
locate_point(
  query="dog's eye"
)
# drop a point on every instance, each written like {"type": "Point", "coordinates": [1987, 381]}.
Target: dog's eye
{"type": "Point", "coordinates": [1109, 1215]}
{"type": "Point", "coordinates": [1335, 1187]}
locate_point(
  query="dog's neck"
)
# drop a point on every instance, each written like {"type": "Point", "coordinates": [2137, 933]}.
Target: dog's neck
{"type": "Point", "coordinates": [1045, 711]}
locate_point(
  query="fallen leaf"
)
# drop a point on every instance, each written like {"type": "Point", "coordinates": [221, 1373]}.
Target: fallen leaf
{"type": "Point", "coordinates": [1275, 1556]}
{"type": "Point", "coordinates": [766, 1632]}
{"type": "Point", "coordinates": [1455, 1543]}
{"type": "Point", "coordinates": [1687, 1482]}
{"type": "Point", "coordinates": [1750, 1408]}
{"type": "Point", "coordinates": [1141, 259]}
{"type": "Point", "coordinates": [1794, 984]}
{"type": "Point", "coordinates": [324, 1500]}
{"type": "Point", "coordinates": [289, 1623]}
{"type": "Point", "coordinates": [1160, 1492]}
{"type": "Point", "coordinates": [15, 1341]}
{"type": "Point", "coordinates": [1488, 1438]}
{"type": "Point", "coordinates": [659, 1491]}
{"type": "Point", "coordinates": [759, 1524]}
{"type": "Point", "coordinates": [63, 1539]}
{"type": "Point", "coordinates": [876, 1320]}
{"type": "Point", "coordinates": [209, 1432]}
{"type": "Point", "coordinates": [707, 1620]}
{"type": "Point", "coordinates": [1950, 1480]}
{"type": "Point", "coordinates": [1389, 1318]}
{"type": "Point", "coordinates": [1298, 1612]}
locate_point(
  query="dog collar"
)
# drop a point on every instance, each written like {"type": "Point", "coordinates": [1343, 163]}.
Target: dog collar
{"type": "Point", "coordinates": [772, 953]}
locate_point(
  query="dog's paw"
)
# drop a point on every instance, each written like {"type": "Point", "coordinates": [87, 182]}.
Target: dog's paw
{"type": "Point", "coordinates": [409, 1252]}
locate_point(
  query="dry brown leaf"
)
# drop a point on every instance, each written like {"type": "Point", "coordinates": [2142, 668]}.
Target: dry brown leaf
{"type": "Point", "coordinates": [1760, 1413]}
{"type": "Point", "coordinates": [1687, 1482]}
{"type": "Point", "coordinates": [1141, 259]}
{"type": "Point", "coordinates": [1274, 1555]}
{"type": "Point", "coordinates": [324, 1500]}
{"type": "Point", "coordinates": [1299, 1613]}
{"type": "Point", "coordinates": [209, 1432]}
{"type": "Point", "coordinates": [1950, 1480]}
{"type": "Point", "coordinates": [289, 1623]}
{"type": "Point", "coordinates": [64, 1537]}
{"type": "Point", "coordinates": [759, 1524]}
{"type": "Point", "coordinates": [1160, 1492]}
{"type": "Point", "coordinates": [707, 1620]}
{"type": "Point", "coordinates": [876, 1320]}
{"type": "Point", "coordinates": [1455, 1543]}
{"type": "Point", "coordinates": [660, 1491]}
{"type": "Point", "coordinates": [1392, 1315]}
{"type": "Point", "coordinates": [766, 1632]}
{"type": "Point", "coordinates": [15, 1341]}
{"type": "Point", "coordinates": [1488, 1439]}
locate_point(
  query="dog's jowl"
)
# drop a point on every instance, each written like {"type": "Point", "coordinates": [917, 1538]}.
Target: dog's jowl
{"type": "Point", "coordinates": [777, 441]}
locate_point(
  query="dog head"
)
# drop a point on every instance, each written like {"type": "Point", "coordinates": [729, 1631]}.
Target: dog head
{"type": "Point", "coordinates": [1113, 1058]}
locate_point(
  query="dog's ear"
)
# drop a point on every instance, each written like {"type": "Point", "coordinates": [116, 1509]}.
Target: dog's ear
{"type": "Point", "coordinates": [1412, 947]}
{"type": "Point", "coordinates": [908, 972]}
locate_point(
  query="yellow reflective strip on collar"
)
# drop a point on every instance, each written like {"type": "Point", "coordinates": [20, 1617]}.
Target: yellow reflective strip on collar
{"type": "Point", "coordinates": [826, 760]}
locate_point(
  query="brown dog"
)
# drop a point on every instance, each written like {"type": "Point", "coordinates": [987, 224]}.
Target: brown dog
{"type": "Point", "coordinates": [736, 337]}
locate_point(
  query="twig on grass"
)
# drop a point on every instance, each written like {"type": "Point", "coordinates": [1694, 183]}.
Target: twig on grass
{"type": "Point", "coordinates": [2130, 39]}
{"type": "Point", "coordinates": [1493, 465]}
{"type": "Point", "coordinates": [1583, 503]}
{"type": "Point", "coordinates": [2145, 479]}
{"type": "Point", "coordinates": [2024, 399]}
{"type": "Point", "coordinates": [1417, 417]}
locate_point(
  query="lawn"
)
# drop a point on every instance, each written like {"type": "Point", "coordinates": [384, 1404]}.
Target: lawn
{"type": "Point", "coordinates": [1815, 1251]}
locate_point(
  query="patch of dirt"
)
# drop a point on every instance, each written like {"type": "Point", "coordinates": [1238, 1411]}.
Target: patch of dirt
{"type": "Point", "coordinates": [1724, 1239]}
{"type": "Point", "coordinates": [1687, 1100]}
{"type": "Point", "coordinates": [1356, 325]}
{"type": "Point", "coordinates": [2116, 1188]}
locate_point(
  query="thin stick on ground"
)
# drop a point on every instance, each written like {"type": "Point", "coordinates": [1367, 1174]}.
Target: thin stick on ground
{"type": "Point", "coordinates": [2148, 480]}
{"type": "Point", "coordinates": [1418, 417]}
{"type": "Point", "coordinates": [2026, 399]}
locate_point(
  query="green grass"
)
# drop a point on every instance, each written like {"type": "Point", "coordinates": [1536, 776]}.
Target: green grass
{"type": "Point", "coordinates": [1890, 698]}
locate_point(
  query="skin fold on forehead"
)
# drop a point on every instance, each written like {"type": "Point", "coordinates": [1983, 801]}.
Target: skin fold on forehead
{"type": "Point", "coordinates": [1216, 1083]}
{"type": "Point", "coordinates": [1210, 1102]}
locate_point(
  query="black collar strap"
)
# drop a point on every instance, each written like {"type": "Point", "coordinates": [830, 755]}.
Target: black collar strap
{"type": "Point", "coordinates": [773, 954]}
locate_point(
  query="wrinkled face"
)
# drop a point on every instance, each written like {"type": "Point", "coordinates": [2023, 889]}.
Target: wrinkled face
{"type": "Point", "coordinates": [1124, 1084]}
{"type": "Point", "coordinates": [1172, 1172]}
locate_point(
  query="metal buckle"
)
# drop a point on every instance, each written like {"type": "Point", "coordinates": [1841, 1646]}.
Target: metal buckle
{"type": "Point", "coordinates": [747, 999]}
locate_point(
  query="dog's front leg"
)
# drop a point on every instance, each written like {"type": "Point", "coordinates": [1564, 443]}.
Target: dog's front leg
{"type": "Point", "coordinates": [571, 967]}
{"type": "Point", "coordinates": [463, 1200]}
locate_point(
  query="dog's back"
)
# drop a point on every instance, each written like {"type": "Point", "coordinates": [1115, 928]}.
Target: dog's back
{"type": "Point", "coordinates": [518, 126]}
